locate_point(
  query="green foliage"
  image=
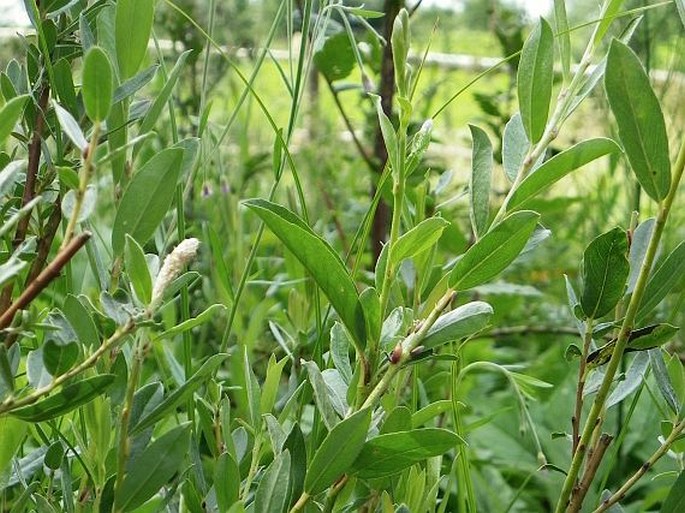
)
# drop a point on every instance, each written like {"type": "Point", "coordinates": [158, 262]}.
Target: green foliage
{"type": "Point", "coordinates": [384, 325]}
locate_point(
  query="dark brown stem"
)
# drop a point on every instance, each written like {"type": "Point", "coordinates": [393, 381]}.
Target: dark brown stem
{"type": "Point", "coordinates": [348, 124]}
{"type": "Point", "coordinates": [30, 183]}
{"type": "Point", "coordinates": [336, 220]}
{"type": "Point", "coordinates": [593, 462]}
{"type": "Point", "coordinates": [45, 242]}
{"type": "Point", "coordinates": [582, 375]}
{"type": "Point", "coordinates": [381, 220]}
{"type": "Point", "coordinates": [43, 279]}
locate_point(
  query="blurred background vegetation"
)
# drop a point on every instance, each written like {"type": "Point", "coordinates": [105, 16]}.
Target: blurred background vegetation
{"type": "Point", "coordinates": [277, 314]}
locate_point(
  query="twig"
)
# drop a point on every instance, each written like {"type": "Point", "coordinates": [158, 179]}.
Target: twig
{"type": "Point", "coordinates": [29, 185]}
{"type": "Point", "coordinates": [663, 449]}
{"type": "Point", "coordinates": [594, 459]}
{"type": "Point", "coordinates": [10, 403]}
{"type": "Point", "coordinates": [348, 124]}
{"type": "Point", "coordinates": [43, 279]}
{"type": "Point", "coordinates": [407, 346]}
{"type": "Point", "coordinates": [582, 375]}
{"type": "Point", "coordinates": [45, 242]}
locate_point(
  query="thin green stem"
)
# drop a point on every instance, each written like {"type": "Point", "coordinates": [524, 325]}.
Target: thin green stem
{"type": "Point", "coordinates": [466, 498]}
{"type": "Point", "coordinates": [11, 403]}
{"type": "Point", "coordinates": [300, 503]}
{"type": "Point", "coordinates": [408, 345]}
{"type": "Point", "coordinates": [663, 449]}
{"type": "Point", "coordinates": [594, 419]}
{"type": "Point", "coordinates": [124, 442]}
{"type": "Point", "coordinates": [86, 172]}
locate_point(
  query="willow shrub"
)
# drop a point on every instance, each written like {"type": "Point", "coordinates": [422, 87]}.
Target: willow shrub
{"type": "Point", "coordinates": [97, 415]}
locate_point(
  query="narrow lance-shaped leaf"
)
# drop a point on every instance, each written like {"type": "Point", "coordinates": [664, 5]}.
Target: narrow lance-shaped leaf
{"type": "Point", "coordinates": [70, 127]}
{"type": "Point", "coordinates": [162, 98]}
{"type": "Point", "coordinates": [177, 396]}
{"type": "Point", "coordinates": [661, 281]}
{"type": "Point", "coordinates": [461, 322]}
{"type": "Point", "coordinates": [559, 166]}
{"type": "Point", "coordinates": [337, 452]}
{"type": "Point", "coordinates": [515, 146]}
{"type": "Point", "coordinates": [420, 238]}
{"type": "Point", "coordinates": [563, 36]}
{"type": "Point", "coordinates": [534, 79]}
{"type": "Point", "coordinates": [481, 178]}
{"type": "Point", "coordinates": [495, 251]}
{"type": "Point", "coordinates": [159, 462]}
{"type": "Point", "coordinates": [322, 262]}
{"type": "Point", "coordinates": [137, 269]}
{"type": "Point", "coordinates": [10, 114]}
{"type": "Point", "coordinates": [675, 501]}
{"type": "Point", "coordinates": [272, 492]}
{"type": "Point", "coordinates": [147, 198]}
{"type": "Point", "coordinates": [68, 399]}
{"type": "Point", "coordinates": [132, 31]}
{"type": "Point", "coordinates": [640, 121]}
{"type": "Point", "coordinates": [605, 272]}
{"type": "Point", "coordinates": [97, 84]}
{"type": "Point", "coordinates": [391, 453]}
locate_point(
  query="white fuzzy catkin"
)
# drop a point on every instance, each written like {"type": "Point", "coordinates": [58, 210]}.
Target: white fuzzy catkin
{"type": "Point", "coordinates": [173, 264]}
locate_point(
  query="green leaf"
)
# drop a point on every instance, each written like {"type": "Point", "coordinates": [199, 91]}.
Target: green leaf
{"type": "Point", "coordinates": [335, 60]}
{"type": "Point", "coordinates": [13, 431]}
{"type": "Point", "coordinates": [563, 37]}
{"type": "Point", "coordinates": [641, 125]}
{"type": "Point", "coordinates": [322, 262]}
{"type": "Point", "coordinates": [163, 458]}
{"type": "Point", "coordinates": [663, 380]}
{"type": "Point", "coordinates": [534, 80]}
{"type": "Point", "coordinates": [605, 271]}
{"type": "Point", "coordinates": [274, 369]}
{"type": "Point", "coordinates": [389, 135]}
{"type": "Point", "coordinates": [401, 42]}
{"type": "Point", "coordinates": [419, 239]}
{"type": "Point", "coordinates": [147, 198]}
{"type": "Point", "coordinates": [132, 31]}
{"type": "Point", "coordinates": [321, 398]}
{"type": "Point", "coordinates": [461, 322]}
{"type": "Point", "coordinates": [226, 481]}
{"type": "Point", "coordinates": [554, 169]}
{"type": "Point", "coordinates": [515, 146]}
{"type": "Point", "coordinates": [638, 249]}
{"type": "Point", "coordinates": [295, 444]}
{"type": "Point", "coordinates": [609, 11]}
{"type": "Point", "coordinates": [161, 100]}
{"type": "Point", "coordinates": [391, 453]}
{"type": "Point", "coordinates": [10, 114]}
{"type": "Point", "coordinates": [680, 4]}
{"type": "Point", "coordinates": [208, 314]}
{"type": "Point", "coordinates": [399, 419]}
{"type": "Point", "coordinates": [480, 182]}
{"type": "Point", "coordinates": [70, 126]}
{"type": "Point", "coordinates": [272, 492]}
{"type": "Point", "coordinates": [97, 84]}
{"type": "Point", "coordinates": [371, 305]}
{"type": "Point", "coordinates": [69, 398]}
{"type": "Point", "coordinates": [634, 377]}
{"type": "Point", "coordinates": [675, 501]}
{"type": "Point", "coordinates": [181, 393]}
{"type": "Point", "coordinates": [337, 452]}
{"type": "Point", "coordinates": [661, 280]}
{"type": "Point", "coordinates": [137, 269]}
{"type": "Point", "coordinates": [652, 336]}
{"type": "Point", "coordinates": [340, 352]}
{"type": "Point", "coordinates": [494, 251]}
{"type": "Point", "coordinates": [134, 84]}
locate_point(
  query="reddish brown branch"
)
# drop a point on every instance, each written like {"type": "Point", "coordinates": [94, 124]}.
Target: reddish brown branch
{"type": "Point", "coordinates": [593, 462]}
{"type": "Point", "coordinates": [41, 281]}
{"type": "Point", "coordinates": [30, 183]}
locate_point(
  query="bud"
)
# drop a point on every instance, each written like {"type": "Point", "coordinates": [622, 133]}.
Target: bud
{"type": "Point", "coordinates": [173, 264]}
